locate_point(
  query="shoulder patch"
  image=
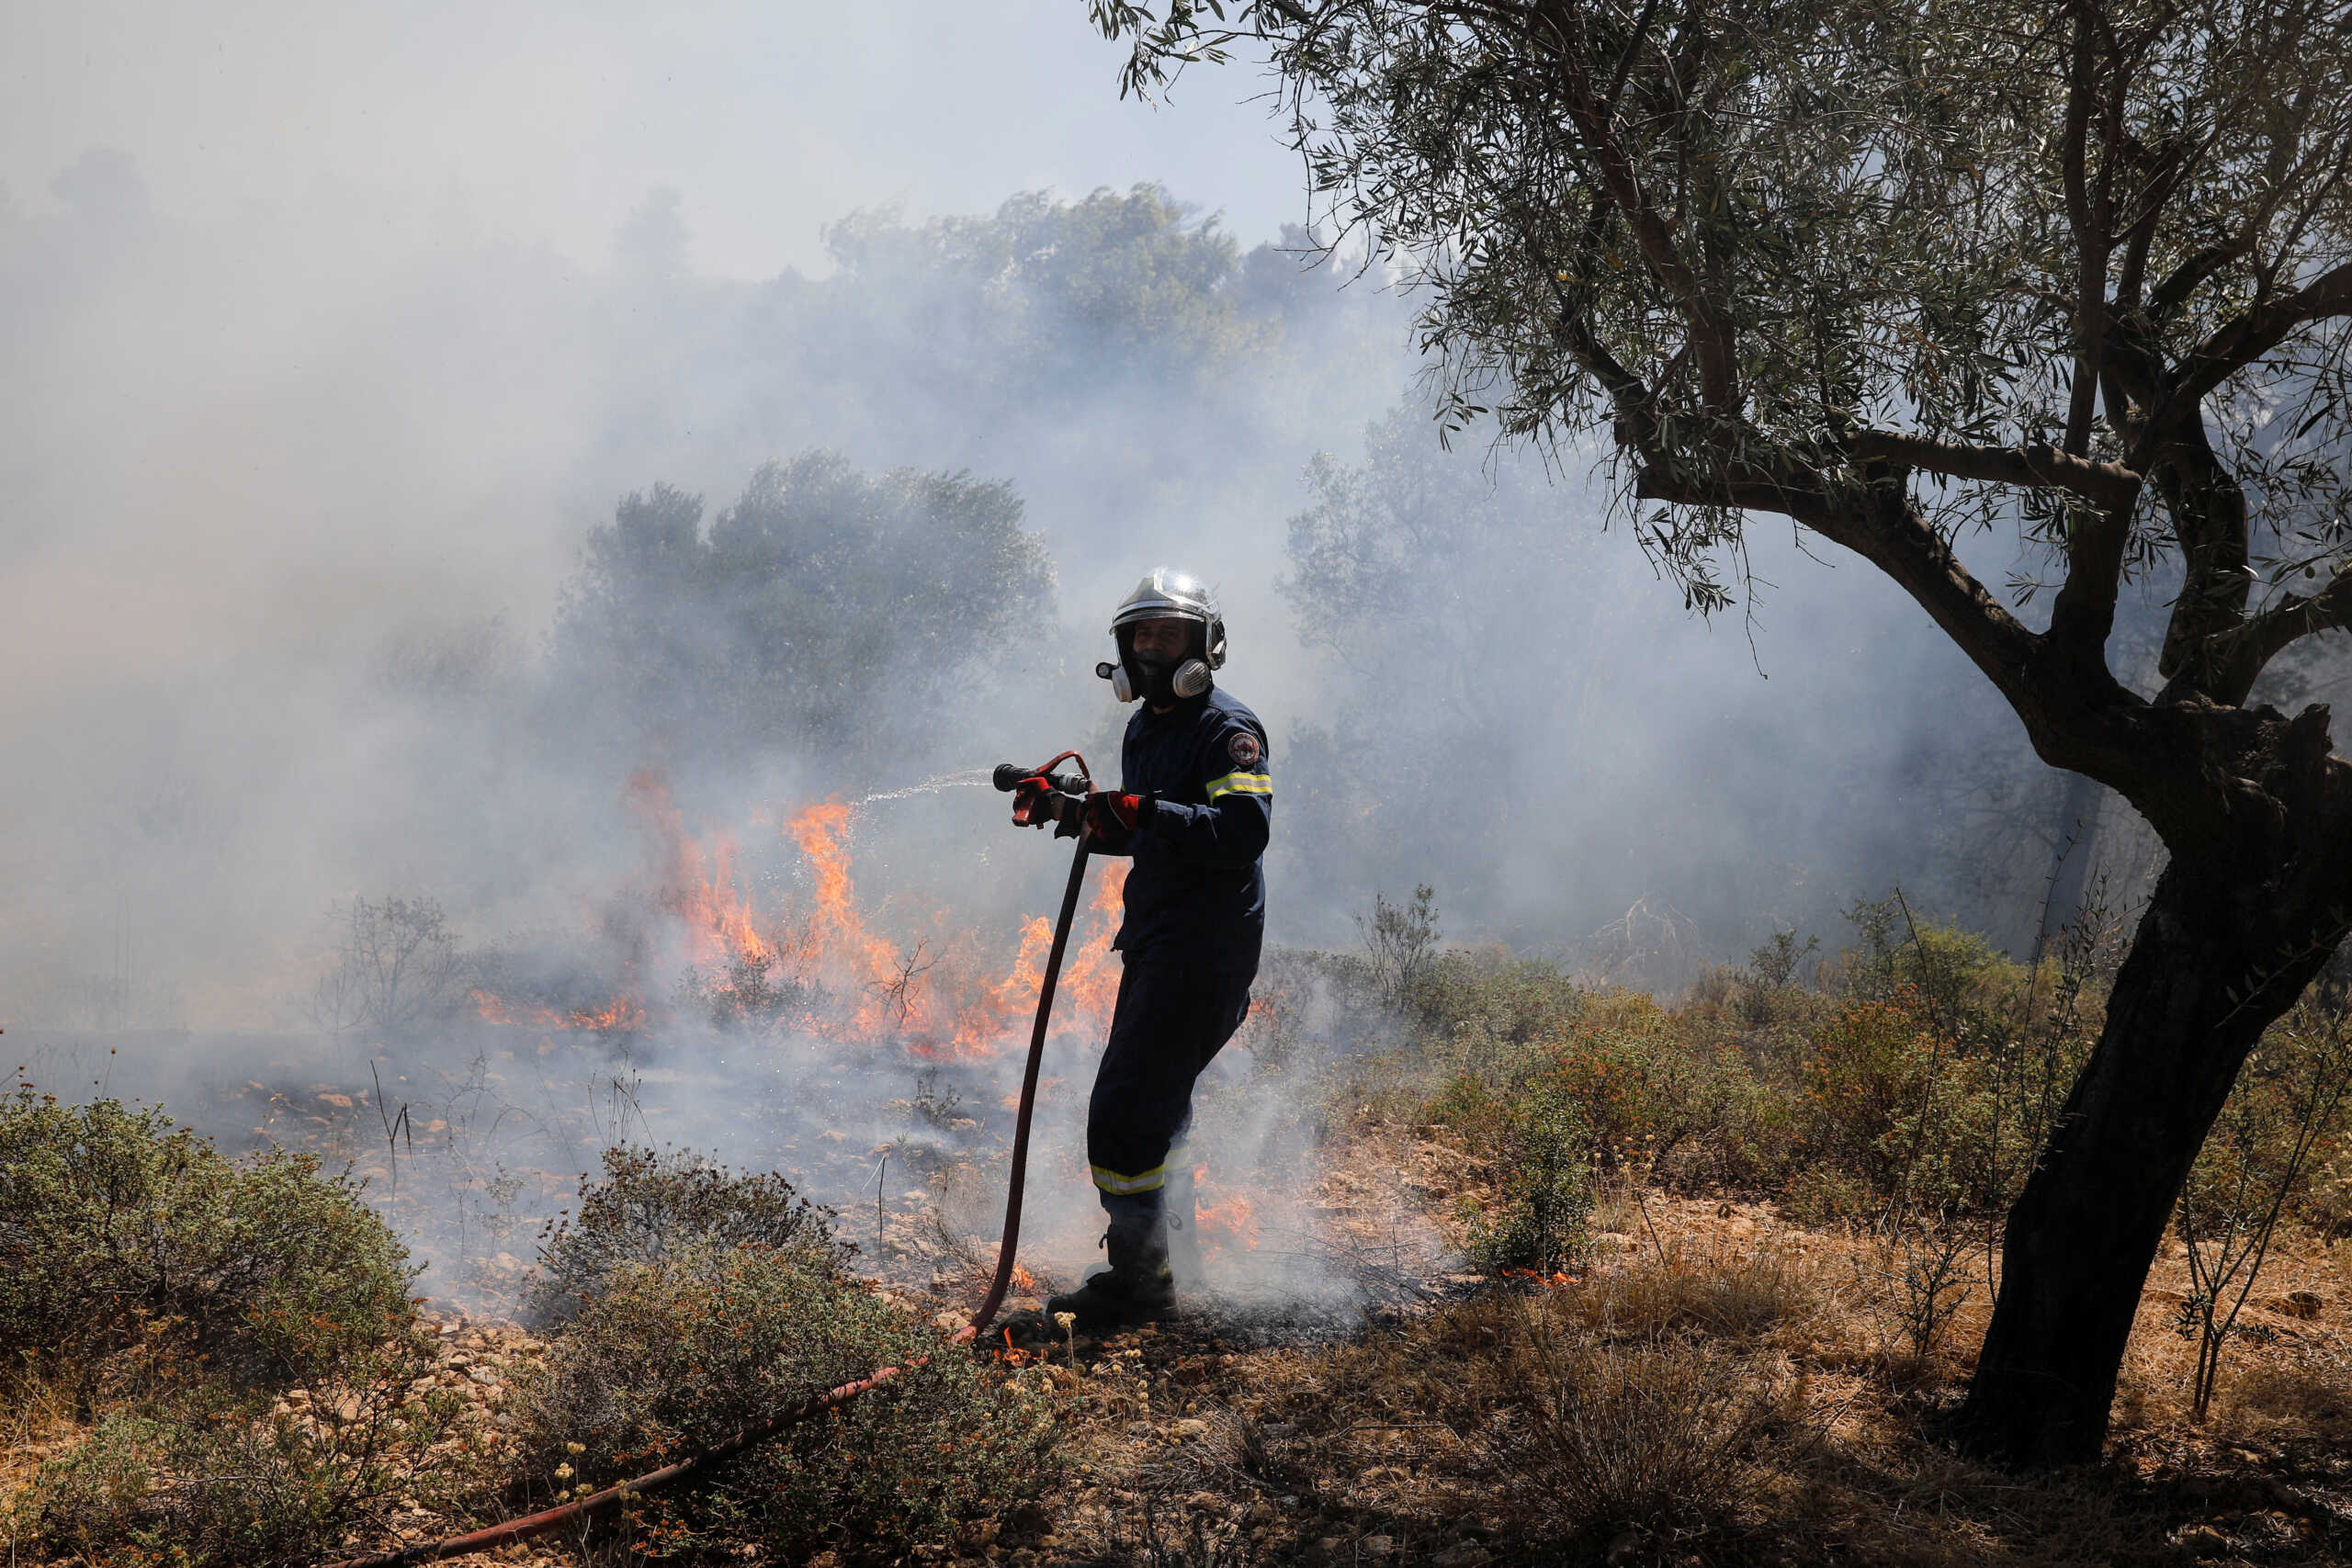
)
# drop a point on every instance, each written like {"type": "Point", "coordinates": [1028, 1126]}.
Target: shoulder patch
{"type": "Point", "coordinates": [1244, 749]}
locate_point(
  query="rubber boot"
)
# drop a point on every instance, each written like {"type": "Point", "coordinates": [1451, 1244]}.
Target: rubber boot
{"type": "Point", "coordinates": [1137, 1287]}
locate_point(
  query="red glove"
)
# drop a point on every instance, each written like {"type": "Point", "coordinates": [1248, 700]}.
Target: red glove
{"type": "Point", "coordinates": [1110, 815]}
{"type": "Point", "coordinates": [1035, 806]}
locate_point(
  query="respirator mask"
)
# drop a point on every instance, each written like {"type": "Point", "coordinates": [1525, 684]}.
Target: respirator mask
{"type": "Point", "coordinates": [1158, 679]}
{"type": "Point", "coordinates": [1166, 595]}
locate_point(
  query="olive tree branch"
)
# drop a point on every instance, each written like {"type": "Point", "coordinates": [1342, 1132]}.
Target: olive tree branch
{"type": "Point", "coordinates": [2036, 465]}
{"type": "Point", "coordinates": [2244, 339]}
{"type": "Point", "coordinates": [1711, 335]}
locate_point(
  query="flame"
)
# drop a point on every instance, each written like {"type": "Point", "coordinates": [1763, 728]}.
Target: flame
{"type": "Point", "coordinates": [699, 883]}
{"type": "Point", "coordinates": [1089, 986]}
{"type": "Point", "coordinates": [1233, 1221]}
{"type": "Point", "coordinates": [619, 1015]}
{"type": "Point", "coordinates": [848, 954]}
{"type": "Point", "coordinates": [936, 995]}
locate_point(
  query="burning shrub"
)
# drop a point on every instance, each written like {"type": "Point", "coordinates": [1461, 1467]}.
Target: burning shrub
{"type": "Point", "coordinates": [114, 1225]}
{"type": "Point", "coordinates": [654, 1205]}
{"type": "Point", "coordinates": [683, 1351]}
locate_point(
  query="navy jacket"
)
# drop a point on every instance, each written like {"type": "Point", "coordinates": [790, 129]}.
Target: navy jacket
{"type": "Point", "coordinates": [1197, 893]}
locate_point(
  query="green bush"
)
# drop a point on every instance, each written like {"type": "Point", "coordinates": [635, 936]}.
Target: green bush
{"type": "Point", "coordinates": [114, 1226]}
{"type": "Point", "coordinates": [682, 1352]}
{"type": "Point", "coordinates": [1865, 1073]}
{"type": "Point", "coordinates": [1487, 1006]}
{"type": "Point", "coordinates": [194, 1291]}
{"type": "Point", "coordinates": [652, 1204]}
{"type": "Point", "coordinates": [1919, 1075]}
{"type": "Point", "coordinates": [1545, 1192]}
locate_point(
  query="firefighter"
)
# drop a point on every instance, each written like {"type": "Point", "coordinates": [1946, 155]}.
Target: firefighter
{"type": "Point", "coordinates": [1192, 809]}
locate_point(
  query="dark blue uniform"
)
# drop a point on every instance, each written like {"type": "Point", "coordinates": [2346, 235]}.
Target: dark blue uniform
{"type": "Point", "coordinates": [1194, 921]}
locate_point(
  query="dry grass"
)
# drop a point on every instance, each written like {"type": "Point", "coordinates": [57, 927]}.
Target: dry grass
{"type": "Point", "coordinates": [1689, 1288]}
{"type": "Point", "coordinates": [2304, 1392]}
{"type": "Point", "coordinates": [1650, 1435]}
{"type": "Point", "coordinates": [1721, 1397]}
{"type": "Point", "coordinates": [1715, 1391]}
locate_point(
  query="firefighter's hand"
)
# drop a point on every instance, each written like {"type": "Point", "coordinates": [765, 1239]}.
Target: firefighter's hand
{"type": "Point", "coordinates": [1036, 806]}
{"type": "Point", "coordinates": [1110, 815]}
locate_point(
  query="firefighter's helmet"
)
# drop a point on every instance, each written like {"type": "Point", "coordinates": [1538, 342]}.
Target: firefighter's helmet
{"type": "Point", "coordinates": [1167, 594]}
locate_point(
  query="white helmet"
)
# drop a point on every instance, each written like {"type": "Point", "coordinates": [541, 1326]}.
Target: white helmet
{"type": "Point", "coordinates": [1167, 594]}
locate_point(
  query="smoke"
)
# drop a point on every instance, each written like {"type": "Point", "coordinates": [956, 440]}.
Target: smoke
{"type": "Point", "coordinates": [388, 512]}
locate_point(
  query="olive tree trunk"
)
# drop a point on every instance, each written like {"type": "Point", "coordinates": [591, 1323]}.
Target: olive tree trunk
{"type": "Point", "coordinates": [2235, 930]}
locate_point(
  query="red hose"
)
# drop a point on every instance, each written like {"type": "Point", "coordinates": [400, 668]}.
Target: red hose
{"type": "Point", "coordinates": [598, 1502]}
{"type": "Point", "coordinates": [1020, 1177]}
{"type": "Point", "coordinates": [595, 1502]}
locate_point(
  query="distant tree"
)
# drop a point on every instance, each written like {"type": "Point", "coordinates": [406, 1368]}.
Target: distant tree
{"type": "Point", "coordinates": [2080, 270]}
{"type": "Point", "coordinates": [824, 610]}
{"type": "Point", "coordinates": [1405, 568]}
{"type": "Point", "coordinates": [396, 967]}
{"type": "Point", "coordinates": [650, 247]}
{"type": "Point", "coordinates": [1045, 298]}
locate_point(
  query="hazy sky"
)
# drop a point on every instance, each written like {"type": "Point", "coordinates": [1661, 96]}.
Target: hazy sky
{"type": "Point", "coordinates": [548, 122]}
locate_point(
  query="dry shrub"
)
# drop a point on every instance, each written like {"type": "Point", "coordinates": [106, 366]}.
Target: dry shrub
{"type": "Point", "coordinates": [1686, 1292]}
{"type": "Point", "coordinates": [209, 1478]}
{"type": "Point", "coordinates": [117, 1229]}
{"type": "Point", "coordinates": [650, 1205]}
{"type": "Point", "coordinates": [1617, 1208]}
{"type": "Point", "coordinates": [1653, 1434]}
{"type": "Point", "coordinates": [1913, 1285]}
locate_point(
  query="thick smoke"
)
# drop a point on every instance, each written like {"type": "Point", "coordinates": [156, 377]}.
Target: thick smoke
{"type": "Point", "coordinates": [389, 581]}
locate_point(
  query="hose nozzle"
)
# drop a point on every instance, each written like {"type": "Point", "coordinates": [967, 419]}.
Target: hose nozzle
{"type": "Point", "coordinates": [1009, 776]}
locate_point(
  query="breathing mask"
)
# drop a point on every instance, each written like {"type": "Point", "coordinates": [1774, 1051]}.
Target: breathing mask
{"type": "Point", "coordinates": [1163, 595]}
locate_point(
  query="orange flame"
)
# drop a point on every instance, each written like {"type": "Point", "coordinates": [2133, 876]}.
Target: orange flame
{"type": "Point", "coordinates": [621, 1014]}
{"type": "Point", "coordinates": [932, 996]}
{"type": "Point", "coordinates": [1231, 1223]}
{"type": "Point", "coordinates": [846, 953]}
{"type": "Point", "coordinates": [699, 884]}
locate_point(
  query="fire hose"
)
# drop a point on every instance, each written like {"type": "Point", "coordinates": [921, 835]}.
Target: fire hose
{"type": "Point", "coordinates": [1007, 777]}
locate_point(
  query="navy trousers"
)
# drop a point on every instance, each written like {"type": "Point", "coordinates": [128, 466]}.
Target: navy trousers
{"type": "Point", "coordinates": [1170, 1022]}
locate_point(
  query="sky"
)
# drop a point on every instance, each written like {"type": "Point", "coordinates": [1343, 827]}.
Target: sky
{"type": "Point", "coordinates": [546, 124]}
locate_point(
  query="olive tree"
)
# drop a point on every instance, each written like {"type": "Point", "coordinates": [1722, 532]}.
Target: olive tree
{"type": "Point", "coordinates": [827, 609]}
{"type": "Point", "coordinates": [2075, 271]}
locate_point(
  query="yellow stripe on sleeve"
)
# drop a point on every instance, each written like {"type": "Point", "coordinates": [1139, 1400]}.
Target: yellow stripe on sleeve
{"type": "Point", "coordinates": [1241, 783]}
